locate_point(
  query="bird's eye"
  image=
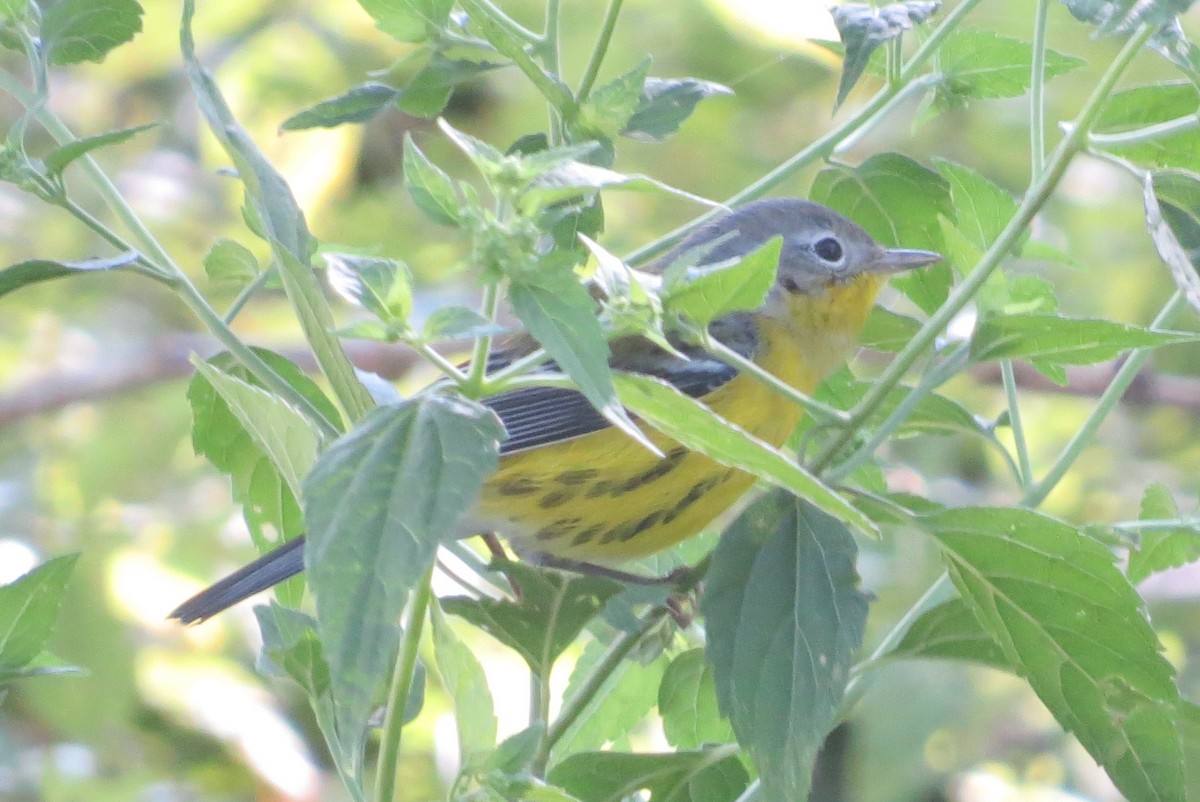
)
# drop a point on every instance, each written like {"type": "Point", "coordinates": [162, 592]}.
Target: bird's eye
{"type": "Point", "coordinates": [829, 249]}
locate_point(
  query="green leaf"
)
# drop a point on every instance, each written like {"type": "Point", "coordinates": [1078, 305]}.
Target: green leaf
{"type": "Point", "coordinates": [863, 28]}
{"type": "Point", "coordinates": [669, 777]}
{"type": "Point", "coordinates": [888, 331]}
{"type": "Point", "coordinates": [558, 312]}
{"type": "Point", "coordinates": [14, 9]}
{"type": "Point", "coordinates": [86, 30]}
{"type": "Point", "coordinates": [283, 433]}
{"type": "Point", "coordinates": [409, 20]}
{"type": "Point", "coordinates": [552, 611]}
{"type": "Point", "coordinates": [377, 504]}
{"type": "Point", "coordinates": [58, 159]}
{"type": "Point", "coordinates": [984, 64]}
{"type": "Point", "coordinates": [1172, 202]}
{"type": "Point", "coordinates": [900, 203]}
{"type": "Point", "coordinates": [573, 179]}
{"type": "Point", "coordinates": [707, 292]}
{"type": "Point", "coordinates": [687, 701]}
{"type": "Point", "coordinates": [1073, 626]}
{"type": "Point", "coordinates": [622, 703]}
{"type": "Point", "coordinates": [1064, 341]}
{"type": "Point", "coordinates": [29, 608]}
{"type": "Point", "coordinates": [785, 617]}
{"type": "Point", "coordinates": [427, 93]}
{"type": "Point", "coordinates": [459, 323]}
{"type": "Point", "coordinates": [1165, 546]}
{"type": "Point", "coordinates": [665, 104]}
{"type": "Point", "coordinates": [430, 188]}
{"type": "Point", "coordinates": [981, 208]}
{"type": "Point", "coordinates": [383, 287]}
{"type": "Point", "coordinates": [356, 105]}
{"type": "Point", "coordinates": [487, 159]}
{"type": "Point", "coordinates": [218, 433]}
{"type": "Point", "coordinates": [36, 270]}
{"type": "Point", "coordinates": [950, 631]}
{"type": "Point", "coordinates": [1148, 105]}
{"type": "Point", "coordinates": [694, 425]}
{"type": "Point", "coordinates": [609, 106]}
{"type": "Point", "coordinates": [516, 752]}
{"type": "Point", "coordinates": [290, 643]}
{"type": "Point", "coordinates": [230, 263]}
{"type": "Point", "coordinates": [464, 681]}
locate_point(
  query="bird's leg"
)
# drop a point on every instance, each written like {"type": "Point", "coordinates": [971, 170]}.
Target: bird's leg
{"type": "Point", "coordinates": [496, 549]}
{"type": "Point", "coordinates": [591, 569]}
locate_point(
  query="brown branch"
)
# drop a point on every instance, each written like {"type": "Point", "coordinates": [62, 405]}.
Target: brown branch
{"type": "Point", "coordinates": [169, 359]}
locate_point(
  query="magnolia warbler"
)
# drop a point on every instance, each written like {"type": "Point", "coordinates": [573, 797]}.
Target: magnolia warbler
{"type": "Point", "coordinates": [574, 489]}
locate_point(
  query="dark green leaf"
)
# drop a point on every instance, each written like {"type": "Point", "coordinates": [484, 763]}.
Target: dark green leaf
{"type": "Point", "coordinates": [863, 28]}
{"type": "Point", "coordinates": [951, 631]}
{"type": "Point", "coordinates": [1125, 16]}
{"type": "Point", "coordinates": [785, 617]}
{"type": "Point", "coordinates": [290, 643]}
{"type": "Point", "coordinates": [900, 203]}
{"type": "Point", "coordinates": [409, 20]}
{"type": "Point", "coordinates": [665, 105]}
{"type": "Point", "coordinates": [705, 293]}
{"type": "Point", "coordinates": [1073, 626]}
{"type": "Point", "coordinates": [86, 30]}
{"type": "Point", "coordinates": [669, 777]}
{"type": "Point", "coordinates": [29, 609]}
{"type": "Point", "coordinates": [58, 159]}
{"type": "Point", "coordinates": [25, 273]}
{"type": "Point", "coordinates": [981, 208]}
{"type": "Point", "coordinates": [984, 64]}
{"type": "Point", "coordinates": [383, 287]}
{"type": "Point", "coordinates": [1165, 546]}
{"type": "Point", "coordinates": [430, 188]}
{"type": "Point", "coordinates": [552, 611]}
{"type": "Point", "coordinates": [558, 312]}
{"type": "Point", "coordinates": [464, 681]}
{"type": "Point", "coordinates": [427, 93]}
{"type": "Point", "coordinates": [687, 701]}
{"type": "Point", "coordinates": [1173, 219]}
{"type": "Point", "coordinates": [516, 752]}
{"type": "Point", "coordinates": [694, 425]}
{"type": "Point", "coordinates": [1064, 341]}
{"type": "Point", "coordinates": [230, 263]}
{"type": "Point", "coordinates": [377, 504]}
{"type": "Point", "coordinates": [354, 106]}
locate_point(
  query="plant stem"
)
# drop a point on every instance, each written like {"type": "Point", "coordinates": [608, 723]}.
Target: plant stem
{"type": "Point", "coordinates": [1037, 89]}
{"type": "Point", "coordinates": [1189, 122]}
{"type": "Point", "coordinates": [1105, 404]}
{"type": "Point", "coordinates": [1014, 422]}
{"type": "Point", "coordinates": [402, 677]}
{"type": "Point", "coordinates": [496, 382]}
{"type": "Point", "coordinates": [511, 39]}
{"type": "Point", "coordinates": [598, 52]}
{"type": "Point", "coordinates": [1032, 202]}
{"type": "Point", "coordinates": [477, 375]}
{"type": "Point", "coordinates": [869, 115]}
{"type": "Point", "coordinates": [246, 294]}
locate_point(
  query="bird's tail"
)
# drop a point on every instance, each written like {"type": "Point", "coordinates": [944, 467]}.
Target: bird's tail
{"type": "Point", "coordinates": [269, 569]}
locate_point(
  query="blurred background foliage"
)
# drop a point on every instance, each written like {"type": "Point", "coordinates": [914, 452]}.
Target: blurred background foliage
{"type": "Point", "coordinates": [95, 452]}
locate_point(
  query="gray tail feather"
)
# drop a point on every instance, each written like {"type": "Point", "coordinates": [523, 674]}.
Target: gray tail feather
{"type": "Point", "coordinates": [268, 570]}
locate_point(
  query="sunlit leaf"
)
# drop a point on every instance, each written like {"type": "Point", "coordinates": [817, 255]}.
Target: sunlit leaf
{"type": "Point", "coordinates": [29, 610]}
{"type": "Point", "coordinates": [464, 681]}
{"type": "Point", "coordinates": [381, 286]}
{"type": "Point", "coordinates": [705, 293]}
{"type": "Point", "coordinates": [669, 777]}
{"type": "Point", "coordinates": [86, 30]}
{"type": "Point", "coordinates": [1064, 341]}
{"type": "Point", "coordinates": [984, 64]}
{"type": "Point", "coordinates": [687, 702]}
{"type": "Point", "coordinates": [430, 188]}
{"type": "Point", "coordinates": [230, 263]}
{"type": "Point", "coordinates": [408, 20]}
{"type": "Point", "coordinates": [1149, 105]}
{"type": "Point", "coordinates": [1165, 546]}
{"type": "Point", "coordinates": [950, 631]}
{"type": "Point", "coordinates": [58, 159]}
{"type": "Point", "coordinates": [1073, 626]}
{"type": "Point", "coordinates": [37, 270]}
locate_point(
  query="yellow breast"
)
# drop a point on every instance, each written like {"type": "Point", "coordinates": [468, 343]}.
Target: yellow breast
{"type": "Point", "coordinates": [603, 498]}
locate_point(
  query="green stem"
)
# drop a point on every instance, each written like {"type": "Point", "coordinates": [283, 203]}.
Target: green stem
{"type": "Point", "coordinates": [598, 52]}
{"type": "Point", "coordinates": [402, 677]}
{"type": "Point", "coordinates": [162, 261]}
{"type": "Point", "coordinates": [246, 294]}
{"type": "Point", "coordinates": [1034, 198]}
{"type": "Point", "coordinates": [1150, 133]}
{"type": "Point", "coordinates": [493, 13]}
{"type": "Point", "coordinates": [866, 117]}
{"type": "Point", "coordinates": [511, 40]}
{"type": "Point", "coordinates": [1014, 421]}
{"type": "Point", "coordinates": [476, 378]}
{"type": "Point", "coordinates": [1105, 404]}
{"type": "Point", "coordinates": [497, 382]}
{"type": "Point", "coordinates": [1037, 87]}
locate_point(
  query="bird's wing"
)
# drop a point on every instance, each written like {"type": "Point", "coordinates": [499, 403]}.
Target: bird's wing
{"type": "Point", "coordinates": [540, 416]}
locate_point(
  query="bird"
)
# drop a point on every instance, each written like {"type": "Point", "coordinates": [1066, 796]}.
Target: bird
{"type": "Point", "coordinates": [572, 491]}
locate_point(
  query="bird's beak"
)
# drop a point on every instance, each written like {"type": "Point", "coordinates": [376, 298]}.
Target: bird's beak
{"type": "Point", "coordinates": [893, 260]}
